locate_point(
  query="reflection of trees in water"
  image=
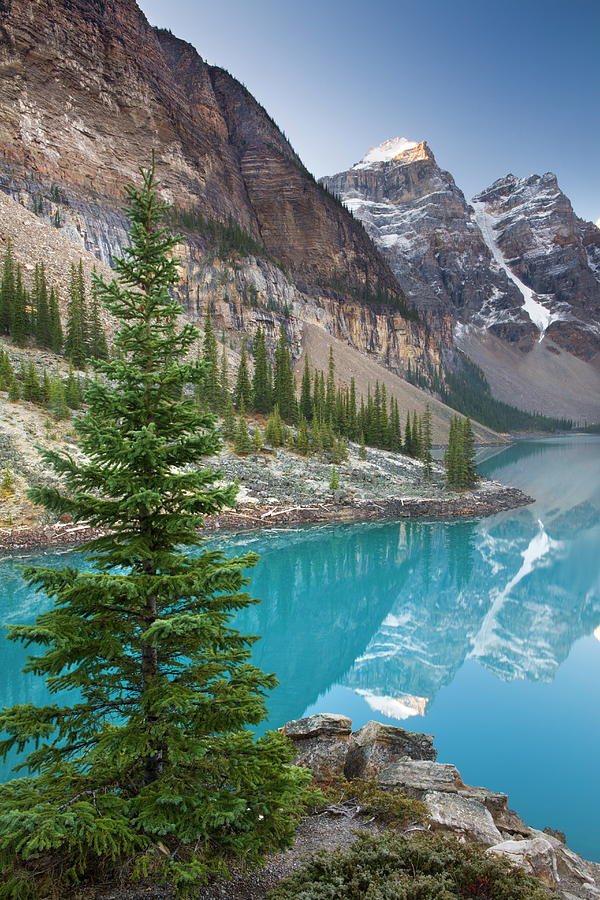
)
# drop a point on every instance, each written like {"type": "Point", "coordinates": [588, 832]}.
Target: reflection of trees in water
{"type": "Point", "coordinates": [323, 600]}
{"type": "Point", "coordinates": [460, 543]}
{"type": "Point", "coordinates": [395, 608]}
{"type": "Point", "coordinates": [514, 454]}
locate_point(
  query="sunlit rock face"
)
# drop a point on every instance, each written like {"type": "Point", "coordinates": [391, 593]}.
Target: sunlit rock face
{"type": "Point", "coordinates": [423, 224]}
{"type": "Point", "coordinates": [87, 90]}
{"type": "Point", "coordinates": [516, 261]}
{"type": "Point", "coordinates": [511, 279]}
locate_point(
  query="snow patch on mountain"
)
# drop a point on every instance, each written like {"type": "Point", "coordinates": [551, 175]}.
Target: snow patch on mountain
{"type": "Point", "coordinates": [385, 152]}
{"type": "Point", "coordinates": [540, 315]}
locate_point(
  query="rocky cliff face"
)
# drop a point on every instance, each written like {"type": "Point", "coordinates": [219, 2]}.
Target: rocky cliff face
{"type": "Point", "coordinates": [89, 88]}
{"type": "Point", "coordinates": [422, 223]}
{"type": "Point", "coordinates": [553, 252]}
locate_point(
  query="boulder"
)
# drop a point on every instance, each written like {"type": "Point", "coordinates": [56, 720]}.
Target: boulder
{"type": "Point", "coordinates": [505, 819]}
{"type": "Point", "coordinates": [416, 777]}
{"type": "Point", "coordinates": [535, 856]}
{"type": "Point", "coordinates": [548, 859]}
{"type": "Point", "coordinates": [321, 744]}
{"type": "Point", "coordinates": [464, 816]}
{"type": "Point", "coordinates": [375, 746]}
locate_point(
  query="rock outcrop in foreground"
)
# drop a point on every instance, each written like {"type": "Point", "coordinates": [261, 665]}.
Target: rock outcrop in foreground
{"type": "Point", "coordinates": [405, 761]}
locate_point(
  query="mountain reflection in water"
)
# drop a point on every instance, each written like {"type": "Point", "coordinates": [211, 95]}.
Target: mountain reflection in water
{"type": "Point", "coordinates": [485, 633]}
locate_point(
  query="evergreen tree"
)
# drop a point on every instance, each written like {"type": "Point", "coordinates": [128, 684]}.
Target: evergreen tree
{"type": "Point", "coordinates": [427, 440]}
{"type": "Point", "coordinates": [302, 442]}
{"type": "Point", "coordinates": [57, 403]}
{"type": "Point", "coordinates": [334, 481]}
{"type": "Point", "coordinates": [394, 428]}
{"type": "Point", "coordinates": [339, 451]}
{"type": "Point", "coordinates": [243, 387]}
{"type": "Point", "coordinates": [45, 391]}
{"type": "Point", "coordinates": [210, 388]}
{"type": "Point", "coordinates": [20, 325]}
{"type": "Point", "coordinates": [96, 339]}
{"type": "Point", "coordinates": [416, 435]}
{"type": "Point", "coordinates": [72, 391]}
{"type": "Point", "coordinates": [316, 440]}
{"type": "Point", "coordinates": [242, 443]}
{"type": "Point", "coordinates": [6, 371]}
{"type": "Point", "coordinates": [43, 335]}
{"type": "Point", "coordinates": [76, 337]}
{"type": "Point", "coordinates": [7, 485]}
{"type": "Point", "coordinates": [409, 447]}
{"type": "Point", "coordinates": [284, 394]}
{"type": "Point", "coordinates": [459, 458]}
{"type": "Point", "coordinates": [14, 392]}
{"type": "Point", "coordinates": [319, 397]}
{"type": "Point", "coordinates": [32, 390]}
{"type": "Point", "coordinates": [229, 423]}
{"type": "Point", "coordinates": [56, 333]}
{"type": "Point", "coordinates": [274, 432]}
{"type": "Point", "coordinates": [262, 389]}
{"type": "Point", "coordinates": [352, 412]}
{"type": "Point", "coordinates": [224, 398]}
{"type": "Point", "coordinates": [257, 441]}
{"type": "Point", "coordinates": [330, 389]}
{"type": "Point", "coordinates": [327, 435]}
{"type": "Point", "coordinates": [7, 289]}
{"type": "Point", "coordinates": [306, 403]}
{"type": "Point", "coordinates": [156, 745]}
{"type": "Point", "coordinates": [469, 473]}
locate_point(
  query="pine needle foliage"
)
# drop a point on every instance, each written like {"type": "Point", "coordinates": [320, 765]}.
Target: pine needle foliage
{"type": "Point", "coordinates": [152, 771]}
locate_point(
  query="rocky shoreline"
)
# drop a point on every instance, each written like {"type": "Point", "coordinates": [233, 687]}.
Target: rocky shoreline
{"type": "Point", "coordinates": [488, 499]}
{"type": "Point", "coordinates": [406, 762]}
{"type": "Point", "coordinates": [475, 504]}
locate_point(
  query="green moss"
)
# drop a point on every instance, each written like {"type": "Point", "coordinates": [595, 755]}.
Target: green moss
{"type": "Point", "coordinates": [395, 867]}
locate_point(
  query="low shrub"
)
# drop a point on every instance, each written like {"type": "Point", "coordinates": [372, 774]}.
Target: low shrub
{"type": "Point", "coordinates": [396, 867]}
{"type": "Point", "coordinates": [388, 807]}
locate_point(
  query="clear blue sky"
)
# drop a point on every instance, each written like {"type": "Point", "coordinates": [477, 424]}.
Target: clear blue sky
{"type": "Point", "coordinates": [494, 86]}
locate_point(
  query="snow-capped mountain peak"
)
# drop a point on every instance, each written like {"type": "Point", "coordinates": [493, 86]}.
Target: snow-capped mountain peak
{"type": "Point", "coordinates": [386, 151]}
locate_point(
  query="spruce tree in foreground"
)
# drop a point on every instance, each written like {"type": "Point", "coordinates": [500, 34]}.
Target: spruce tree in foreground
{"type": "Point", "coordinates": [152, 770]}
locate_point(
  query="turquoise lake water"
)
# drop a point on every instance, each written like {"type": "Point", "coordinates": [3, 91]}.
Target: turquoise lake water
{"type": "Point", "coordinates": [484, 633]}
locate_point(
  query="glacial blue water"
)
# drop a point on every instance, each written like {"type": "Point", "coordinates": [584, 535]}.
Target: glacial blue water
{"type": "Point", "coordinates": [484, 633]}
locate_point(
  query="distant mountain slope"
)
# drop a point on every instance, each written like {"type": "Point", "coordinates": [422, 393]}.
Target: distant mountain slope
{"type": "Point", "coordinates": [554, 252]}
{"type": "Point", "coordinates": [512, 270]}
{"type": "Point", "coordinates": [422, 223]}
{"type": "Point", "coordinates": [366, 372]}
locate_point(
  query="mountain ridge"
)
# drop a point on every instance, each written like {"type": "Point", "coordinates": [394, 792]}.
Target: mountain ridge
{"type": "Point", "coordinates": [513, 268]}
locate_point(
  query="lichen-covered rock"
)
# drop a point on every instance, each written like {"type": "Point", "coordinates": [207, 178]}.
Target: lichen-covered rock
{"type": "Point", "coordinates": [464, 816]}
{"type": "Point", "coordinates": [321, 744]}
{"type": "Point", "coordinates": [417, 777]}
{"type": "Point", "coordinates": [375, 746]}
